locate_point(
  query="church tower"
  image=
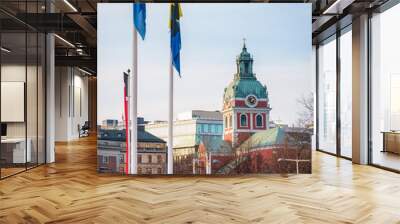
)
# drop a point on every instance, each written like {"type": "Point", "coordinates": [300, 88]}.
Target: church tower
{"type": "Point", "coordinates": [246, 105]}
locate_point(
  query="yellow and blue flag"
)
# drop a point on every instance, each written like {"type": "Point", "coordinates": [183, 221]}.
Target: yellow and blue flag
{"type": "Point", "coordinates": [176, 13]}
{"type": "Point", "coordinates": [139, 18]}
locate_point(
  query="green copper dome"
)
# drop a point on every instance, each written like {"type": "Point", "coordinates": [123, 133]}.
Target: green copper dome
{"type": "Point", "coordinates": [241, 88]}
{"type": "Point", "coordinates": [245, 82]}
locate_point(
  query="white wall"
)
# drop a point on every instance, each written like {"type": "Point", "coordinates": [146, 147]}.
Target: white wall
{"type": "Point", "coordinates": [34, 124]}
{"type": "Point", "coordinates": [17, 73]}
{"type": "Point", "coordinates": [71, 102]}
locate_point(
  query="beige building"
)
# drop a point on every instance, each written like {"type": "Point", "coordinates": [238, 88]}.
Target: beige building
{"type": "Point", "coordinates": [190, 128]}
{"type": "Point", "coordinates": [152, 157]}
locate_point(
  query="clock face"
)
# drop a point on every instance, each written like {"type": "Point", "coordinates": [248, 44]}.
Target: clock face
{"type": "Point", "coordinates": [251, 101]}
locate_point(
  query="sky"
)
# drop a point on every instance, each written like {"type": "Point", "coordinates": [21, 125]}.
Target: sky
{"type": "Point", "coordinates": [277, 35]}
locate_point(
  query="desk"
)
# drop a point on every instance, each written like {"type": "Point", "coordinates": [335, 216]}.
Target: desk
{"type": "Point", "coordinates": [13, 150]}
{"type": "Point", "coordinates": [391, 141]}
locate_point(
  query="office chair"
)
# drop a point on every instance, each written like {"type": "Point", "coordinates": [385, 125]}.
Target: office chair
{"type": "Point", "coordinates": [84, 130]}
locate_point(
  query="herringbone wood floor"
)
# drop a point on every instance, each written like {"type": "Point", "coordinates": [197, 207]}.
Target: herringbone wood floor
{"type": "Point", "coordinates": [70, 191]}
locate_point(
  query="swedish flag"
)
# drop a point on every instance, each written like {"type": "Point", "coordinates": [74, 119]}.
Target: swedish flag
{"type": "Point", "coordinates": [176, 13]}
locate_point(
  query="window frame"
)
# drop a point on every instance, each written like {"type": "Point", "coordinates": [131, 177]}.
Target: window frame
{"type": "Point", "coordinates": [246, 120]}
{"type": "Point", "coordinates": [262, 120]}
{"type": "Point", "coordinates": [334, 37]}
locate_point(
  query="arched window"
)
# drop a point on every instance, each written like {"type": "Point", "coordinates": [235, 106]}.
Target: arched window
{"type": "Point", "coordinates": [243, 120]}
{"type": "Point", "coordinates": [246, 68]}
{"type": "Point", "coordinates": [259, 120]}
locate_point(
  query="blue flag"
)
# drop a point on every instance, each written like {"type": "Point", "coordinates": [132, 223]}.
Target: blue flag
{"type": "Point", "coordinates": [139, 18]}
{"type": "Point", "coordinates": [174, 25]}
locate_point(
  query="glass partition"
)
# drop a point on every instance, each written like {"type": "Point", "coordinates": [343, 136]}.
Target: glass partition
{"type": "Point", "coordinates": [327, 95]}
{"type": "Point", "coordinates": [22, 77]}
{"type": "Point", "coordinates": [13, 95]}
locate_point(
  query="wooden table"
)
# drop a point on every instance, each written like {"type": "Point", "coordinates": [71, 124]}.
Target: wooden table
{"type": "Point", "coordinates": [391, 141]}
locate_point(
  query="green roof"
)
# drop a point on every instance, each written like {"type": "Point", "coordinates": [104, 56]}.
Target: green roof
{"type": "Point", "coordinates": [216, 144]}
{"type": "Point", "coordinates": [242, 87]}
{"type": "Point", "coordinates": [270, 137]}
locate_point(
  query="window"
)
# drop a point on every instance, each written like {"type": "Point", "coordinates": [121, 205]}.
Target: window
{"type": "Point", "coordinates": [230, 121]}
{"type": "Point", "coordinates": [346, 74]}
{"type": "Point", "coordinates": [139, 159]}
{"type": "Point", "coordinates": [198, 128]}
{"type": "Point", "coordinates": [159, 170]}
{"type": "Point", "coordinates": [219, 129]}
{"type": "Point", "coordinates": [149, 158]}
{"type": "Point", "coordinates": [105, 159]}
{"type": "Point", "coordinates": [385, 89]}
{"type": "Point", "coordinates": [159, 158]}
{"type": "Point", "coordinates": [226, 121]}
{"type": "Point", "coordinates": [243, 120]}
{"type": "Point", "coordinates": [259, 120]}
{"type": "Point", "coordinates": [246, 67]}
{"type": "Point", "coordinates": [394, 102]}
{"type": "Point", "coordinates": [148, 170]}
{"type": "Point", "coordinates": [327, 95]}
{"type": "Point", "coordinates": [139, 170]}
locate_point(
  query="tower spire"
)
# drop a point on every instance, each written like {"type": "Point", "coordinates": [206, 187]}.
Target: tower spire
{"type": "Point", "coordinates": [244, 63]}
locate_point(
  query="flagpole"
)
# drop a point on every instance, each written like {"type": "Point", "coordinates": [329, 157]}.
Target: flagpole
{"type": "Point", "coordinates": [170, 119]}
{"type": "Point", "coordinates": [134, 90]}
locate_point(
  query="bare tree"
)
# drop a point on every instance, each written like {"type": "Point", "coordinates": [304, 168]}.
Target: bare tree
{"type": "Point", "coordinates": [306, 116]}
{"type": "Point", "coordinates": [242, 158]}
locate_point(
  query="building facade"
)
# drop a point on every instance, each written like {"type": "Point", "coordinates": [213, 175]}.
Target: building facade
{"type": "Point", "coordinates": [111, 149]}
{"type": "Point", "coordinates": [152, 154]}
{"type": "Point", "coordinates": [246, 108]}
{"type": "Point", "coordinates": [190, 129]}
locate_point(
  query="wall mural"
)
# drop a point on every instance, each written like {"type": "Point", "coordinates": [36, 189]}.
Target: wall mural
{"type": "Point", "coordinates": [234, 85]}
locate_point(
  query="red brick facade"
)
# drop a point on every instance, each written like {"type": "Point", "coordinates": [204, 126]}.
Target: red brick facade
{"type": "Point", "coordinates": [242, 103]}
{"type": "Point", "coordinates": [241, 137]}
